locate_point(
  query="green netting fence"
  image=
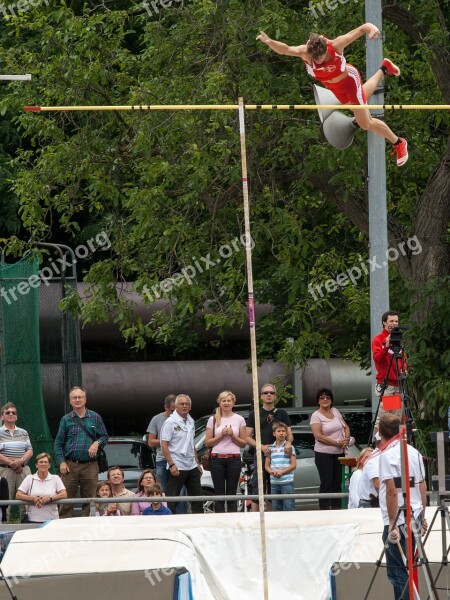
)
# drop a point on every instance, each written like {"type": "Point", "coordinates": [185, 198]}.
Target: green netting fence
{"type": "Point", "coordinates": [20, 361]}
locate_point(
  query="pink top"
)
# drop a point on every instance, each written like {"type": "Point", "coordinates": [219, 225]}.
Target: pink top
{"type": "Point", "coordinates": [137, 508]}
{"type": "Point", "coordinates": [332, 428]}
{"type": "Point", "coordinates": [226, 444]}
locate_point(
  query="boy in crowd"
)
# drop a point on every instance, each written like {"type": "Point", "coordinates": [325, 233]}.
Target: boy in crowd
{"type": "Point", "coordinates": [281, 468]}
{"type": "Point", "coordinates": [156, 508]}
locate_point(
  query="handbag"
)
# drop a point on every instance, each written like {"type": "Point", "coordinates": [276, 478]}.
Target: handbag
{"type": "Point", "coordinates": [102, 461]}
{"type": "Point", "coordinates": [101, 454]}
{"type": "Point", "coordinates": [206, 458]}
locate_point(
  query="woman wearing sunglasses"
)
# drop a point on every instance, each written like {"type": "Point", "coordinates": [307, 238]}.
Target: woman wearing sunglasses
{"type": "Point", "coordinates": [332, 435]}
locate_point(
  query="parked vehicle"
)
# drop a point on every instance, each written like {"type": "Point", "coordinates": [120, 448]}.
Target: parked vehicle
{"type": "Point", "coordinates": [131, 454]}
{"type": "Point", "coordinates": [306, 476]}
{"type": "Point", "coordinates": [358, 417]}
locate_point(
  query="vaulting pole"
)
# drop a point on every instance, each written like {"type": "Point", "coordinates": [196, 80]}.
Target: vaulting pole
{"type": "Point", "coordinates": [251, 315]}
{"type": "Point", "coordinates": [145, 107]}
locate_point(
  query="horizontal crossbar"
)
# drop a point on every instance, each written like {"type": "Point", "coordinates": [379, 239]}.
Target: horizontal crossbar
{"type": "Point", "coordinates": [143, 107]}
{"type": "Point", "coordinates": [15, 77]}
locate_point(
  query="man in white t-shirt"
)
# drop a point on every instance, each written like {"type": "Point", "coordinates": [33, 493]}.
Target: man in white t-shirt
{"type": "Point", "coordinates": [392, 501]}
{"type": "Point", "coordinates": [177, 443]}
{"type": "Point", "coordinates": [154, 433]}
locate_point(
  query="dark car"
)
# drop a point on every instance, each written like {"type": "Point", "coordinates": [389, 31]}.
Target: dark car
{"type": "Point", "coordinates": [130, 454]}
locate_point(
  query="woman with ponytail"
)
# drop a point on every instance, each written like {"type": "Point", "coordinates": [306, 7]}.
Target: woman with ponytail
{"type": "Point", "coordinates": [225, 435]}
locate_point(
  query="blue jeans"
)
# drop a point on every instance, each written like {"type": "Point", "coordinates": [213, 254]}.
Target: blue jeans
{"type": "Point", "coordinates": [283, 488]}
{"type": "Point", "coordinates": [161, 476]}
{"type": "Point", "coordinates": [396, 570]}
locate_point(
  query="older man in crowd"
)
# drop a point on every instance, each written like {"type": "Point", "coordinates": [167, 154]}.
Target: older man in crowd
{"type": "Point", "coordinates": [177, 443]}
{"type": "Point", "coordinates": [15, 451]}
{"type": "Point", "coordinates": [80, 436]}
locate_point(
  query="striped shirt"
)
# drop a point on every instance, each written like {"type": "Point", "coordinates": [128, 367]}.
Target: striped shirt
{"type": "Point", "coordinates": [14, 442]}
{"type": "Point", "coordinates": [278, 461]}
{"type": "Point", "coordinates": [72, 442]}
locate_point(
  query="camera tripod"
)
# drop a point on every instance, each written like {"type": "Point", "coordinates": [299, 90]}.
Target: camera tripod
{"type": "Point", "coordinates": [398, 360]}
{"type": "Point", "coordinates": [442, 510]}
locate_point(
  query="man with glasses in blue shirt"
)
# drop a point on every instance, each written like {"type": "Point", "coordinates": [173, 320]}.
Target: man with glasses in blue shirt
{"type": "Point", "coordinates": [267, 413]}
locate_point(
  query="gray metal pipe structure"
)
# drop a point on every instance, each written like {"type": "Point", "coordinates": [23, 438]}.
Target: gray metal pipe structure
{"type": "Point", "coordinates": [120, 389]}
{"type": "Point", "coordinates": [376, 166]}
{"type": "Point", "coordinates": [138, 388]}
{"type": "Point", "coordinates": [108, 332]}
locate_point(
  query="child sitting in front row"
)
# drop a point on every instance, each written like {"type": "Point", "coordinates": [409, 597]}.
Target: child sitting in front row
{"type": "Point", "coordinates": [281, 468]}
{"type": "Point", "coordinates": [104, 490]}
{"type": "Point", "coordinates": [156, 508]}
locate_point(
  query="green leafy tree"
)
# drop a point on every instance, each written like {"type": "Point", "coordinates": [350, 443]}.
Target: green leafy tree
{"type": "Point", "coordinates": [166, 186]}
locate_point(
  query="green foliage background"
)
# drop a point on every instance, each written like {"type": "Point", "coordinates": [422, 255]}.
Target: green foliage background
{"type": "Point", "coordinates": [166, 186]}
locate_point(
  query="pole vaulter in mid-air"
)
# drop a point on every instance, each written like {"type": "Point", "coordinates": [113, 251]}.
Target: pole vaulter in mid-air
{"type": "Point", "coordinates": [325, 62]}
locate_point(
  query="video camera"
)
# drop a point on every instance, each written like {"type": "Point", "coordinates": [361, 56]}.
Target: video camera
{"type": "Point", "coordinates": [396, 334]}
{"type": "Point", "coordinates": [396, 337]}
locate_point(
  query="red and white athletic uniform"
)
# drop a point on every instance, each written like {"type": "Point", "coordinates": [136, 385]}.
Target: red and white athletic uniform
{"type": "Point", "coordinates": [350, 89]}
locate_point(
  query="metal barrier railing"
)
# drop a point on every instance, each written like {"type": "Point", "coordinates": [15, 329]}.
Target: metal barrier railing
{"type": "Point", "coordinates": [173, 499]}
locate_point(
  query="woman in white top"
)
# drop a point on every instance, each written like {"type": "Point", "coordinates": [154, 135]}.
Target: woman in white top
{"type": "Point", "coordinates": [332, 435]}
{"type": "Point", "coordinates": [225, 435]}
{"type": "Point", "coordinates": [43, 489]}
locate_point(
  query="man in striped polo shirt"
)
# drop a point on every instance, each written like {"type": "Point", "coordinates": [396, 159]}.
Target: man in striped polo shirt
{"type": "Point", "coordinates": [15, 451]}
{"type": "Point", "coordinates": [281, 468]}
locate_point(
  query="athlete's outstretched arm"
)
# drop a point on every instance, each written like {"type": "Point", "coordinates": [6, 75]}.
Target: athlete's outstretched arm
{"type": "Point", "coordinates": [343, 41]}
{"type": "Point", "coordinates": [281, 47]}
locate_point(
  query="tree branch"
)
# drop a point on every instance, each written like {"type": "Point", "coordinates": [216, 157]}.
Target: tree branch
{"type": "Point", "coordinates": [439, 54]}
{"type": "Point", "coordinates": [355, 207]}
